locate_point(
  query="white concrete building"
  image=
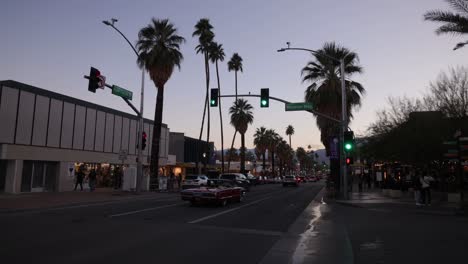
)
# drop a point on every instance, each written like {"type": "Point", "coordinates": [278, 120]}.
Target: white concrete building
{"type": "Point", "coordinates": [43, 134]}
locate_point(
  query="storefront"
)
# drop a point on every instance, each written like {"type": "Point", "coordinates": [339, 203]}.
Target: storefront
{"type": "Point", "coordinates": [45, 135]}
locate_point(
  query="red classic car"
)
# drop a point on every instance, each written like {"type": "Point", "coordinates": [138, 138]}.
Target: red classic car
{"type": "Point", "coordinates": [218, 192]}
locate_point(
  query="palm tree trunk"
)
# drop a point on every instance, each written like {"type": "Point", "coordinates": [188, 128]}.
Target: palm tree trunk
{"type": "Point", "coordinates": [236, 83]}
{"type": "Point", "coordinates": [154, 164]}
{"type": "Point", "coordinates": [273, 162]}
{"type": "Point", "coordinates": [232, 145]}
{"type": "Point", "coordinates": [201, 133]}
{"type": "Point", "coordinates": [290, 141]}
{"type": "Point", "coordinates": [207, 145]}
{"type": "Point", "coordinates": [263, 162]}
{"type": "Point", "coordinates": [220, 120]}
{"type": "Point", "coordinates": [242, 157]}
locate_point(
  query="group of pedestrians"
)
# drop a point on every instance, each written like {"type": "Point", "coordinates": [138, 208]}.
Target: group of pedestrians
{"type": "Point", "coordinates": [422, 188]}
{"type": "Point", "coordinates": [92, 179]}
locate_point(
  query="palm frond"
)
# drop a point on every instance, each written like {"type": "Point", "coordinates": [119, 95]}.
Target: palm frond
{"type": "Point", "coordinates": [459, 5]}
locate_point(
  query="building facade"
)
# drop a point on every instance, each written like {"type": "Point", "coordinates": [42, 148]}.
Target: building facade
{"type": "Point", "coordinates": [44, 135]}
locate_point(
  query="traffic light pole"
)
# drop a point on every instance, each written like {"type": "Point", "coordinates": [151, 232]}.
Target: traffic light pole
{"type": "Point", "coordinates": [344, 126]}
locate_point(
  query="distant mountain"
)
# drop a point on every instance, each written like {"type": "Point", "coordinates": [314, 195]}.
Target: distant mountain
{"type": "Point", "coordinates": [322, 153]}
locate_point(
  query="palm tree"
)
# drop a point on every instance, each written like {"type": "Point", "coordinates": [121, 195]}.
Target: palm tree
{"type": "Point", "coordinates": [159, 52]}
{"type": "Point", "coordinates": [324, 91]}
{"type": "Point", "coordinates": [235, 64]}
{"type": "Point", "coordinates": [203, 29]}
{"type": "Point", "coordinates": [285, 154]}
{"type": "Point", "coordinates": [290, 132]}
{"type": "Point", "coordinates": [454, 23]}
{"type": "Point", "coordinates": [301, 156]}
{"type": "Point", "coordinates": [261, 142]}
{"type": "Point", "coordinates": [241, 117]}
{"type": "Point", "coordinates": [217, 54]}
{"type": "Point", "coordinates": [309, 147]}
{"type": "Point", "coordinates": [272, 141]}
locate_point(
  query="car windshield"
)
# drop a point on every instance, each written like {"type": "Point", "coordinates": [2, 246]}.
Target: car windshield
{"type": "Point", "coordinates": [228, 176]}
{"type": "Point", "coordinates": [191, 177]}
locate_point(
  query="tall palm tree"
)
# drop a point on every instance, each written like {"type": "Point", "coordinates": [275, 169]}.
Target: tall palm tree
{"type": "Point", "coordinates": [261, 143]}
{"type": "Point", "coordinates": [216, 54]}
{"type": "Point", "coordinates": [273, 139]}
{"type": "Point", "coordinates": [290, 132]}
{"type": "Point", "coordinates": [235, 64]}
{"type": "Point", "coordinates": [301, 156]}
{"type": "Point", "coordinates": [453, 23]}
{"type": "Point", "coordinates": [203, 29]}
{"type": "Point", "coordinates": [284, 154]}
{"type": "Point", "coordinates": [241, 117]}
{"type": "Point", "coordinates": [324, 91]}
{"type": "Point", "coordinates": [159, 52]}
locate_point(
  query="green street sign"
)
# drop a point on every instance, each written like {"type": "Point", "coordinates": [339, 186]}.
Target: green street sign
{"type": "Point", "coordinates": [298, 106]}
{"type": "Point", "coordinates": [119, 91]}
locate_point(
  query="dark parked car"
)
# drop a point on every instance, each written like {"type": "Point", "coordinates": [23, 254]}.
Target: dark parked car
{"type": "Point", "coordinates": [290, 180]}
{"type": "Point", "coordinates": [252, 179]}
{"type": "Point", "coordinates": [237, 178]}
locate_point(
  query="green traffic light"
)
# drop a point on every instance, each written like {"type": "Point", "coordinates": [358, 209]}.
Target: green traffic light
{"type": "Point", "coordinates": [213, 102]}
{"type": "Point", "coordinates": [348, 146]}
{"type": "Point", "coordinates": [264, 102]}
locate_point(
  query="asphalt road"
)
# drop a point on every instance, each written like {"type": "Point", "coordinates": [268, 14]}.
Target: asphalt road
{"type": "Point", "coordinates": [162, 230]}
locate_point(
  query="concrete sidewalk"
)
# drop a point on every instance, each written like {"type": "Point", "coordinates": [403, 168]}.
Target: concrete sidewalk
{"type": "Point", "coordinates": [375, 199]}
{"type": "Point", "coordinates": [27, 201]}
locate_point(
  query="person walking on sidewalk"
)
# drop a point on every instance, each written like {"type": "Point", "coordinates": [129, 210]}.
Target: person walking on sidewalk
{"type": "Point", "coordinates": [79, 179]}
{"type": "Point", "coordinates": [179, 181]}
{"type": "Point", "coordinates": [92, 180]}
{"type": "Point", "coordinates": [426, 180]}
{"type": "Point", "coordinates": [417, 189]}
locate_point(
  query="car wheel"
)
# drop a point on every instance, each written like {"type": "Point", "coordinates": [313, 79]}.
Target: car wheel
{"type": "Point", "coordinates": [241, 197]}
{"type": "Point", "coordinates": [223, 202]}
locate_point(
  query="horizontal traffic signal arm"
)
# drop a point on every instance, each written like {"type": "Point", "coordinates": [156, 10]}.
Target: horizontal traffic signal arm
{"type": "Point", "coordinates": [286, 102]}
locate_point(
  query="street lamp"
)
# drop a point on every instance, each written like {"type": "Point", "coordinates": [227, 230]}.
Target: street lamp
{"type": "Point", "coordinates": [344, 119]}
{"type": "Point", "coordinates": [140, 125]}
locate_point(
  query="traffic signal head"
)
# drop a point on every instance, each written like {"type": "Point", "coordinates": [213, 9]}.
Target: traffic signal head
{"type": "Point", "coordinates": [94, 79]}
{"type": "Point", "coordinates": [214, 97]}
{"type": "Point", "coordinates": [349, 160]}
{"type": "Point", "coordinates": [348, 141]}
{"type": "Point", "coordinates": [265, 97]}
{"type": "Point", "coordinates": [143, 141]}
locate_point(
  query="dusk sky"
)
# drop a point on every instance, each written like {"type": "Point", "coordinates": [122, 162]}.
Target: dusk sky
{"type": "Point", "coordinates": [52, 43]}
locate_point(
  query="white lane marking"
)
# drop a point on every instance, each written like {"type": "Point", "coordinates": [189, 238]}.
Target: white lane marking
{"type": "Point", "coordinates": [45, 210]}
{"type": "Point", "coordinates": [227, 211]}
{"type": "Point", "coordinates": [147, 209]}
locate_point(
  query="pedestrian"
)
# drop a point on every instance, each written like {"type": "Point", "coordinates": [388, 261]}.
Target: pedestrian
{"type": "Point", "coordinates": [171, 181]}
{"type": "Point", "coordinates": [79, 178]}
{"type": "Point", "coordinates": [92, 180]}
{"type": "Point", "coordinates": [417, 189]}
{"type": "Point", "coordinates": [179, 181]}
{"type": "Point", "coordinates": [426, 180]}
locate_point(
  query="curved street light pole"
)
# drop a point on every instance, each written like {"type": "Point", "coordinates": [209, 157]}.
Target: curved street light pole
{"type": "Point", "coordinates": [140, 122]}
{"type": "Point", "coordinates": [344, 116]}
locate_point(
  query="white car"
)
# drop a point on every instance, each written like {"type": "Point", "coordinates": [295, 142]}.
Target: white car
{"type": "Point", "coordinates": [192, 181]}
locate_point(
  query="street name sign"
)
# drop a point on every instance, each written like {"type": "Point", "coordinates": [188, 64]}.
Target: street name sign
{"type": "Point", "coordinates": [298, 106]}
{"type": "Point", "coordinates": [119, 91]}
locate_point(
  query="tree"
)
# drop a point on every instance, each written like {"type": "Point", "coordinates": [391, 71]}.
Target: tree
{"type": "Point", "coordinates": [159, 52]}
{"type": "Point", "coordinates": [453, 23]}
{"type": "Point", "coordinates": [449, 94]}
{"type": "Point", "coordinates": [301, 156]}
{"type": "Point", "coordinates": [249, 156]}
{"type": "Point", "coordinates": [232, 154]}
{"type": "Point", "coordinates": [217, 54]}
{"type": "Point", "coordinates": [290, 132]}
{"type": "Point", "coordinates": [203, 29]}
{"type": "Point", "coordinates": [261, 142]}
{"type": "Point", "coordinates": [235, 64]}
{"type": "Point", "coordinates": [285, 155]}
{"type": "Point", "coordinates": [324, 91]}
{"type": "Point", "coordinates": [272, 142]}
{"type": "Point", "coordinates": [241, 117]}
